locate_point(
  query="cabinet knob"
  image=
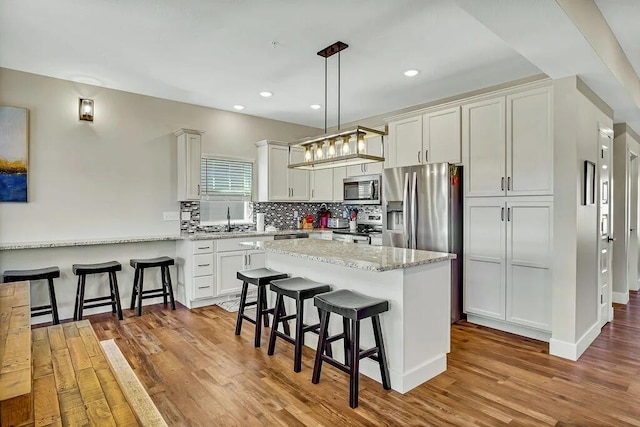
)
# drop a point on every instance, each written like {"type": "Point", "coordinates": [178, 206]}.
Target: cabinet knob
{"type": "Point", "coordinates": [419, 157]}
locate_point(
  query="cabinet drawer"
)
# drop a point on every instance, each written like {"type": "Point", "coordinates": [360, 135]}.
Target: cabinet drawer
{"type": "Point", "coordinates": [227, 245]}
{"type": "Point", "coordinates": [203, 246]}
{"type": "Point", "coordinates": [203, 287]}
{"type": "Point", "coordinates": [202, 264]}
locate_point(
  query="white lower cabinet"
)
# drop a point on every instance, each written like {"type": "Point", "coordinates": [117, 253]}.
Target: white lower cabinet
{"type": "Point", "coordinates": [229, 263]}
{"type": "Point", "coordinates": [232, 256]}
{"type": "Point", "coordinates": [507, 260]}
{"type": "Point", "coordinates": [209, 268]}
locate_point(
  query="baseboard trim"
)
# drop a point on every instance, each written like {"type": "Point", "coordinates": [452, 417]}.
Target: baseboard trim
{"type": "Point", "coordinates": [509, 327]}
{"type": "Point", "coordinates": [573, 351]}
{"type": "Point", "coordinates": [620, 297]}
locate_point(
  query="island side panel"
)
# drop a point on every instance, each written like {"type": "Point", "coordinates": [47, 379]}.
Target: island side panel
{"type": "Point", "coordinates": [385, 285]}
{"type": "Point", "coordinates": [427, 327]}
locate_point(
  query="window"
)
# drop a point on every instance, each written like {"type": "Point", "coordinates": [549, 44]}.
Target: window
{"type": "Point", "coordinates": [226, 185]}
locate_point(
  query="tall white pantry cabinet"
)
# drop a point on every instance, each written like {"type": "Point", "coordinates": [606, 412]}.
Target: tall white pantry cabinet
{"type": "Point", "coordinates": [507, 151]}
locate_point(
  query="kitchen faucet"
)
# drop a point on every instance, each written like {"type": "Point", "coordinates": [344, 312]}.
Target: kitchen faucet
{"type": "Point", "coordinates": [228, 220]}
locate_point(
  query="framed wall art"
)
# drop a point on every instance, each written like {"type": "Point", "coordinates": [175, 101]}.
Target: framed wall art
{"type": "Point", "coordinates": [14, 153]}
{"type": "Point", "coordinates": [589, 197]}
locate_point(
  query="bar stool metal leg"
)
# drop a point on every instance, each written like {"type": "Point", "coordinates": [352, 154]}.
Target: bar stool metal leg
{"type": "Point", "coordinates": [243, 301]}
{"type": "Point", "coordinates": [53, 302]}
{"type": "Point", "coordinates": [140, 290]}
{"type": "Point", "coordinates": [83, 280]}
{"type": "Point", "coordinates": [277, 314]}
{"type": "Point", "coordinates": [382, 358]}
{"type": "Point", "coordinates": [134, 292]}
{"type": "Point", "coordinates": [260, 306]}
{"type": "Point", "coordinates": [170, 286]}
{"type": "Point", "coordinates": [345, 342]}
{"type": "Point", "coordinates": [322, 341]}
{"type": "Point", "coordinates": [77, 304]}
{"type": "Point", "coordinates": [299, 344]}
{"type": "Point", "coordinates": [355, 363]}
{"type": "Point", "coordinates": [164, 286]}
{"type": "Point", "coordinates": [117, 295]}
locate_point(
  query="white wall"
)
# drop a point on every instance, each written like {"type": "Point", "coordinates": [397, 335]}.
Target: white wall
{"type": "Point", "coordinates": [625, 141]}
{"type": "Point", "coordinates": [577, 116]}
{"type": "Point", "coordinates": [113, 177]}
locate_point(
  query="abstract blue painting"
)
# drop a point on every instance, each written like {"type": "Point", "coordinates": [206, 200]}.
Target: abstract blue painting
{"type": "Point", "coordinates": [14, 150]}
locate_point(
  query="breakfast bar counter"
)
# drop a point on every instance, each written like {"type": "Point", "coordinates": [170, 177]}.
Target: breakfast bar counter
{"type": "Point", "coordinates": [416, 283]}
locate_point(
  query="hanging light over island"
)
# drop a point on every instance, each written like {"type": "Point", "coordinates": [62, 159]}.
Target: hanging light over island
{"type": "Point", "coordinates": [343, 147]}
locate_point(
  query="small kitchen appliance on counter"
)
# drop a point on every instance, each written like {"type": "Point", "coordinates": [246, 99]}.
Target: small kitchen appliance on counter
{"type": "Point", "coordinates": [324, 215]}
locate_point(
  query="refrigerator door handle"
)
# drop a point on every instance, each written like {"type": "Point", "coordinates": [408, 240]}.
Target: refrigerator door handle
{"type": "Point", "coordinates": [405, 212]}
{"type": "Point", "coordinates": [414, 211]}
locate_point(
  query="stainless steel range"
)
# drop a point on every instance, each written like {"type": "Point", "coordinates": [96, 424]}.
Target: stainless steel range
{"type": "Point", "coordinates": [369, 228]}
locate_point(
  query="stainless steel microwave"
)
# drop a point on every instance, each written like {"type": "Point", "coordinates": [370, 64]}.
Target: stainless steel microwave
{"type": "Point", "coordinates": [362, 190]}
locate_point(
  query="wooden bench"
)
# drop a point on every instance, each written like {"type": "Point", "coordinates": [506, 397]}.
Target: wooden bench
{"type": "Point", "coordinates": [72, 380]}
{"type": "Point", "coordinates": [56, 375]}
{"type": "Point", "coordinates": [16, 406]}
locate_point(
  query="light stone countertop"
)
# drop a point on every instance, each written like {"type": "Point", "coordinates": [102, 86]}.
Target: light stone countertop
{"type": "Point", "coordinates": [232, 234]}
{"type": "Point", "coordinates": [365, 257]}
{"type": "Point", "coordinates": [139, 239]}
{"type": "Point", "coordinates": [86, 242]}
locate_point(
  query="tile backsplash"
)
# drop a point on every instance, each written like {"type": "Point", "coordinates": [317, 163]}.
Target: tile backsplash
{"type": "Point", "coordinates": [278, 214]}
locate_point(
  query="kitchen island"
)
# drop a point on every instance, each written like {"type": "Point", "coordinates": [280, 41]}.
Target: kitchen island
{"type": "Point", "coordinates": [416, 283]}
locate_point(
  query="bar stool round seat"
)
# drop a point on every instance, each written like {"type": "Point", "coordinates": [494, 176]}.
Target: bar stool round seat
{"type": "Point", "coordinates": [103, 267]}
{"type": "Point", "coordinates": [300, 290]}
{"type": "Point", "coordinates": [259, 277]}
{"type": "Point", "coordinates": [46, 273]}
{"type": "Point", "coordinates": [138, 293]}
{"type": "Point", "coordinates": [113, 300]}
{"type": "Point", "coordinates": [353, 307]}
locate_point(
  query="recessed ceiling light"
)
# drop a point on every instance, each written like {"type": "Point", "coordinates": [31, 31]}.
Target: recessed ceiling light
{"type": "Point", "coordinates": [266, 94]}
{"type": "Point", "coordinates": [411, 73]}
{"type": "Point", "coordinates": [239, 107]}
{"type": "Point", "coordinates": [316, 106]}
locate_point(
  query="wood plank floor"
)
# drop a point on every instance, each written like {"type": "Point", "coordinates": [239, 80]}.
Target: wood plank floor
{"type": "Point", "coordinates": [199, 373]}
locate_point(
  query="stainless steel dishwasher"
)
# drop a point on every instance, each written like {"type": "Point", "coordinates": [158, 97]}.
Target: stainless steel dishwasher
{"type": "Point", "coordinates": [291, 236]}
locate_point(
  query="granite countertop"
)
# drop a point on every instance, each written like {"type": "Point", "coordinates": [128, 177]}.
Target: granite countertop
{"type": "Point", "coordinates": [138, 239]}
{"type": "Point", "coordinates": [86, 242]}
{"type": "Point", "coordinates": [231, 234]}
{"type": "Point", "coordinates": [365, 257]}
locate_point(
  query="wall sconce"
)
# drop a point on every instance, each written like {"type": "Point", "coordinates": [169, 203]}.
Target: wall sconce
{"type": "Point", "coordinates": [85, 109]}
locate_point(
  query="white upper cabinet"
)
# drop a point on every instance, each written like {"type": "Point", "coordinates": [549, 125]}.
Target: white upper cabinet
{"type": "Point", "coordinates": [406, 137]}
{"type": "Point", "coordinates": [483, 145]}
{"type": "Point", "coordinates": [441, 136]}
{"type": "Point", "coordinates": [507, 145]}
{"type": "Point", "coordinates": [189, 143]}
{"type": "Point", "coordinates": [433, 137]}
{"type": "Point", "coordinates": [374, 148]}
{"type": "Point", "coordinates": [275, 181]}
{"type": "Point", "coordinates": [321, 185]}
{"type": "Point", "coordinates": [339, 174]}
{"type": "Point", "coordinates": [298, 178]}
{"type": "Point", "coordinates": [529, 143]}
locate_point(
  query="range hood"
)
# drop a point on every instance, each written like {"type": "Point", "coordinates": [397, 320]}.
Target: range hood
{"type": "Point", "coordinates": [343, 147]}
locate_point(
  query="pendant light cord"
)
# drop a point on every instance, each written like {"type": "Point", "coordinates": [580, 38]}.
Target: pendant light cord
{"type": "Point", "coordinates": [338, 90]}
{"type": "Point", "coordinates": [325, 95]}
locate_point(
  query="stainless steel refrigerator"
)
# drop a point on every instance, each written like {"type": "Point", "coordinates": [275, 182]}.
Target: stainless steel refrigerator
{"type": "Point", "coordinates": [422, 209]}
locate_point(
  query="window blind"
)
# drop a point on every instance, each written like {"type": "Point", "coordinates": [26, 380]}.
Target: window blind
{"type": "Point", "coordinates": [223, 179]}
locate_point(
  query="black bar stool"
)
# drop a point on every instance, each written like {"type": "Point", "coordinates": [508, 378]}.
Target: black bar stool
{"type": "Point", "coordinates": [167, 289]}
{"type": "Point", "coordinates": [259, 277]}
{"type": "Point", "coordinates": [299, 289]}
{"type": "Point", "coordinates": [81, 270]}
{"type": "Point", "coordinates": [48, 274]}
{"type": "Point", "coordinates": [353, 307]}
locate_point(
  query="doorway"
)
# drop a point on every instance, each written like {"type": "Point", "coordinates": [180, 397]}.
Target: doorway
{"type": "Point", "coordinates": [632, 214]}
{"type": "Point", "coordinates": [605, 283]}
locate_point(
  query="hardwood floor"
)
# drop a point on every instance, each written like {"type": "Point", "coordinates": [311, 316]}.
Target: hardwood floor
{"type": "Point", "coordinates": [199, 373]}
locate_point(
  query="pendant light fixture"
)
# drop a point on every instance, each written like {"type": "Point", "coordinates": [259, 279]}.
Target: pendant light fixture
{"type": "Point", "coordinates": [342, 147]}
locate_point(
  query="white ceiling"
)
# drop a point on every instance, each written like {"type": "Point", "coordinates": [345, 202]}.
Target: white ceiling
{"type": "Point", "coordinates": [219, 53]}
{"type": "Point", "coordinates": [623, 16]}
